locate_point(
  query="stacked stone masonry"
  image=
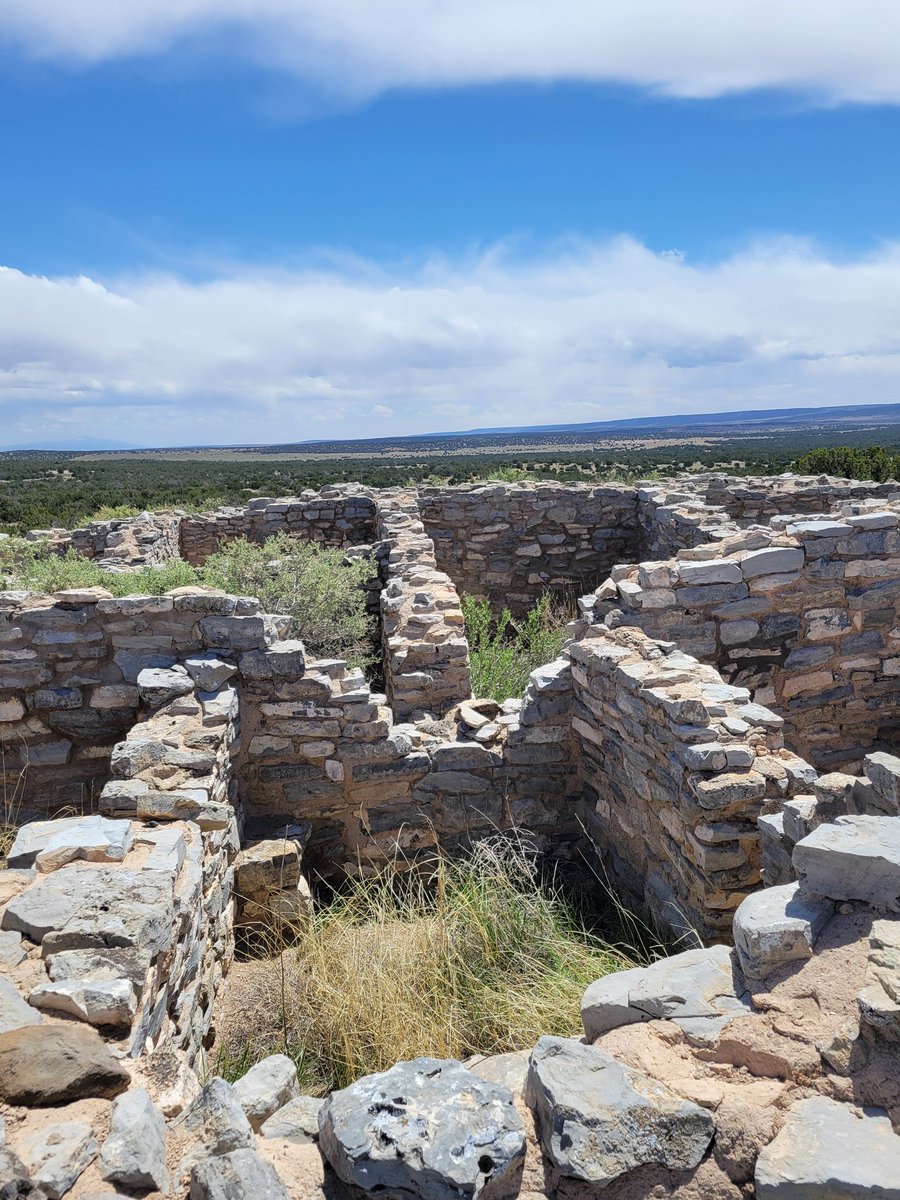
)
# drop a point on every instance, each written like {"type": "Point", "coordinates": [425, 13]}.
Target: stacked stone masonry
{"type": "Point", "coordinates": [213, 768]}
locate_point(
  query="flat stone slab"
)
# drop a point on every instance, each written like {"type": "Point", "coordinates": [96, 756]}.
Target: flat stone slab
{"type": "Point", "coordinates": [598, 1119]}
{"type": "Point", "coordinates": [696, 989]}
{"type": "Point", "coordinates": [428, 1128]}
{"type": "Point", "coordinates": [827, 1151]}
{"type": "Point", "coordinates": [856, 858]}
{"type": "Point", "coordinates": [51, 844]}
{"type": "Point", "coordinates": [97, 1001]}
{"type": "Point", "coordinates": [159, 685]}
{"type": "Point", "coordinates": [778, 925]}
{"type": "Point", "coordinates": [79, 907]}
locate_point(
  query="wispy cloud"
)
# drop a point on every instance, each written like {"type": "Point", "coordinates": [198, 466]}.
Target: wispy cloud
{"type": "Point", "coordinates": [588, 331]}
{"type": "Point", "coordinates": [832, 49]}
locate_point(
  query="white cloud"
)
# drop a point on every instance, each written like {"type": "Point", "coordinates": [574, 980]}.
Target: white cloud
{"type": "Point", "coordinates": [589, 331]}
{"type": "Point", "coordinates": [839, 49]}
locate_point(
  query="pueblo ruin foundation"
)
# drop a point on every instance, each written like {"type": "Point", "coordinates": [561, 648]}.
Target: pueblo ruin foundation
{"type": "Point", "coordinates": [717, 737]}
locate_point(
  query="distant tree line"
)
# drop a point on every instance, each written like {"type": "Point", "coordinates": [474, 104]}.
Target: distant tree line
{"type": "Point", "coordinates": [850, 462]}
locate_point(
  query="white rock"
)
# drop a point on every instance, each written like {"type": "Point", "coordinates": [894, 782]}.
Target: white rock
{"type": "Point", "coordinates": [266, 1088]}
{"type": "Point", "coordinates": [99, 1002]}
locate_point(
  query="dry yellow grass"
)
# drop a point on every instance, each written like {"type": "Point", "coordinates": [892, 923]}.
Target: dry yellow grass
{"type": "Point", "coordinates": [481, 956]}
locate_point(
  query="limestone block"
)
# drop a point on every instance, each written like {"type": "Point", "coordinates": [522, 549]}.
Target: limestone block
{"type": "Point", "coordinates": [598, 1120]}
{"type": "Point", "coordinates": [777, 925]}
{"type": "Point", "coordinates": [696, 989]}
{"type": "Point", "coordinates": [208, 671]}
{"type": "Point", "coordinates": [266, 1088]}
{"type": "Point", "coordinates": [15, 1012]}
{"type": "Point", "coordinates": [240, 1173]}
{"type": "Point", "coordinates": [856, 858]}
{"type": "Point", "coordinates": [158, 685]}
{"type": "Point", "coordinates": [427, 1128]}
{"type": "Point", "coordinates": [134, 1153]}
{"type": "Point", "coordinates": [52, 844]}
{"type": "Point", "coordinates": [297, 1121]}
{"type": "Point", "coordinates": [98, 1002]}
{"type": "Point", "coordinates": [774, 560]}
{"type": "Point", "coordinates": [879, 999]}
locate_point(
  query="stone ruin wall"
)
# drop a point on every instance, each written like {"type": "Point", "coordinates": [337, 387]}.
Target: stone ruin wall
{"type": "Point", "coordinates": [221, 763]}
{"type": "Point", "coordinates": [510, 543]}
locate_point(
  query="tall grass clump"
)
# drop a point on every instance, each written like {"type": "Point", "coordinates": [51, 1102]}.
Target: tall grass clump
{"type": "Point", "coordinates": [319, 588]}
{"type": "Point", "coordinates": [504, 652]}
{"type": "Point", "coordinates": [479, 956]}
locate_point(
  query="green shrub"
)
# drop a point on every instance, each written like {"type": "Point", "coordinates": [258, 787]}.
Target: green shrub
{"type": "Point", "coordinates": [482, 956]}
{"type": "Point", "coordinates": [849, 462]}
{"type": "Point", "coordinates": [318, 588]}
{"type": "Point", "coordinates": [32, 565]}
{"type": "Point", "coordinates": [504, 652]}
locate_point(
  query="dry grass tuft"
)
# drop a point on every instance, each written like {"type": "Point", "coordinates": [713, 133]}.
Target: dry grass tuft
{"type": "Point", "coordinates": [481, 956]}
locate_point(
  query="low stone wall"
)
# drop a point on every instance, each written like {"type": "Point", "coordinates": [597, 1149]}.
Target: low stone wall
{"type": "Point", "coordinates": [512, 542]}
{"type": "Point", "coordinates": [339, 516]}
{"type": "Point", "coordinates": [804, 615]}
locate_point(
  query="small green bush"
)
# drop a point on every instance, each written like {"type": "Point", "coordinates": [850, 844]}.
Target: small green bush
{"type": "Point", "coordinates": [504, 652]}
{"type": "Point", "coordinates": [317, 587]}
{"type": "Point", "coordinates": [31, 565]}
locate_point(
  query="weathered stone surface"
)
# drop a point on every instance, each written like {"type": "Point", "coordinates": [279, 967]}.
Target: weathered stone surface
{"type": "Point", "coordinates": [266, 1088]}
{"type": "Point", "coordinates": [134, 1153]}
{"type": "Point", "coordinates": [879, 999]}
{"type": "Point", "coordinates": [52, 844]}
{"type": "Point", "coordinates": [214, 1123]}
{"type": "Point", "coordinates": [159, 685]}
{"type": "Point", "coordinates": [15, 1180]}
{"type": "Point", "coordinates": [856, 858]}
{"type": "Point", "coordinates": [427, 1128]}
{"type": "Point", "coordinates": [777, 925]}
{"type": "Point", "coordinates": [238, 1175]}
{"type": "Point", "coordinates": [56, 1156]}
{"type": "Point", "coordinates": [11, 949]}
{"type": "Point", "coordinates": [598, 1120]}
{"type": "Point", "coordinates": [53, 1064]}
{"type": "Point", "coordinates": [297, 1121]}
{"type": "Point", "coordinates": [827, 1150]}
{"type": "Point", "coordinates": [696, 989]}
{"type": "Point", "coordinates": [14, 1011]}
{"type": "Point", "coordinates": [80, 907]}
{"type": "Point", "coordinates": [97, 1001]}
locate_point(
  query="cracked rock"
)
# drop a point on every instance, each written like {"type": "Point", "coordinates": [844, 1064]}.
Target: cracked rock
{"type": "Point", "coordinates": [241, 1173]}
{"type": "Point", "coordinates": [56, 1156]}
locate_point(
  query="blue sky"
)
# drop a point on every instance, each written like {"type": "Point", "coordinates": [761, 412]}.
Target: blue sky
{"type": "Point", "coordinates": [274, 228]}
